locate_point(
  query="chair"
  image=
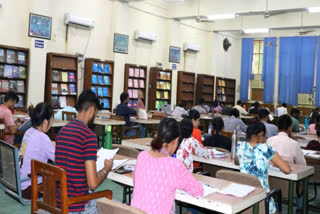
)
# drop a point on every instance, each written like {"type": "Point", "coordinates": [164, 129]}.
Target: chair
{"type": "Point", "coordinates": [112, 207]}
{"type": "Point", "coordinates": [66, 115]}
{"type": "Point", "coordinates": [50, 175]}
{"type": "Point", "coordinates": [227, 134]}
{"type": "Point", "coordinates": [10, 180]}
{"type": "Point", "coordinates": [4, 133]}
{"type": "Point", "coordinates": [251, 180]}
{"type": "Point", "coordinates": [116, 129]}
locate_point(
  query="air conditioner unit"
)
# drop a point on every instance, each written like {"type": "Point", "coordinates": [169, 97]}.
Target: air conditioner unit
{"type": "Point", "coordinates": [147, 36]}
{"type": "Point", "coordinates": [78, 21]}
{"type": "Point", "coordinates": [191, 47]}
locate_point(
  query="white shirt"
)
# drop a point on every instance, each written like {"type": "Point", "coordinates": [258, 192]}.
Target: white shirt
{"type": "Point", "coordinates": [241, 110]}
{"type": "Point", "coordinates": [282, 111]}
{"type": "Point", "coordinates": [179, 111]}
{"type": "Point", "coordinates": [200, 109]}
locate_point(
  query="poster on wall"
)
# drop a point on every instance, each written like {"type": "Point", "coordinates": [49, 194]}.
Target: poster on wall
{"type": "Point", "coordinates": [174, 54]}
{"type": "Point", "coordinates": [120, 43]}
{"type": "Point", "coordinates": [40, 26]}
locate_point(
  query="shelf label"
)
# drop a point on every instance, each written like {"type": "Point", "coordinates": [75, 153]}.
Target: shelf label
{"type": "Point", "coordinates": [174, 66]}
{"type": "Point", "coordinates": [38, 43]}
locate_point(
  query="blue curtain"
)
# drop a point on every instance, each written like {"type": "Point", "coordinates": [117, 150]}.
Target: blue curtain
{"type": "Point", "coordinates": [246, 67]}
{"type": "Point", "coordinates": [268, 68]}
{"type": "Point", "coordinates": [317, 92]}
{"type": "Point", "coordinates": [308, 51]}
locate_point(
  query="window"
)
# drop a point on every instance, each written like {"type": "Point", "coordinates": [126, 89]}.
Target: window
{"type": "Point", "coordinates": [257, 57]}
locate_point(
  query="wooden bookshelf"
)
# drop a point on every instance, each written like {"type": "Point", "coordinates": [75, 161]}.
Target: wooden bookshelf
{"type": "Point", "coordinates": [61, 80]}
{"type": "Point", "coordinates": [186, 84]}
{"type": "Point", "coordinates": [14, 73]}
{"type": "Point", "coordinates": [98, 76]}
{"type": "Point", "coordinates": [135, 80]}
{"type": "Point", "coordinates": [205, 88]}
{"type": "Point", "coordinates": [225, 90]}
{"type": "Point", "coordinates": [160, 86]}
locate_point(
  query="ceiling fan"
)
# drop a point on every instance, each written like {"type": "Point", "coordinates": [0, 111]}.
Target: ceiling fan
{"type": "Point", "coordinates": [302, 32]}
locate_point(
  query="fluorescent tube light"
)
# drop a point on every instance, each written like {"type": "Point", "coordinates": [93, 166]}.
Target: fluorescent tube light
{"type": "Point", "coordinates": [256, 30]}
{"type": "Point", "coordinates": [314, 9]}
{"type": "Point", "coordinates": [221, 16]}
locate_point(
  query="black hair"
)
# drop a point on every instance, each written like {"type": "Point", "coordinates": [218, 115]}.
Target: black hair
{"type": "Point", "coordinates": [124, 96]}
{"type": "Point", "coordinates": [263, 113]}
{"type": "Point", "coordinates": [87, 99]}
{"type": "Point", "coordinates": [315, 114]}
{"type": "Point", "coordinates": [284, 105]}
{"type": "Point", "coordinates": [201, 101]}
{"type": "Point", "coordinates": [183, 104]}
{"type": "Point", "coordinates": [217, 124]}
{"type": "Point", "coordinates": [11, 95]}
{"type": "Point", "coordinates": [234, 112]}
{"type": "Point", "coordinates": [255, 127]}
{"type": "Point", "coordinates": [186, 128]}
{"type": "Point", "coordinates": [256, 104]}
{"type": "Point", "coordinates": [317, 127]}
{"type": "Point", "coordinates": [41, 112]}
{"type": "Point", "coordinates": [239, 102]}
{"type": "Point", "coordinates": [215, 103]}
{"type": "Point", "coordinates": [294, 111]}
{"type": "Point", "coordinates": [193, 114]}
{"type": "Point", "coordinates": [168, 130]}
{"type": "Point", "coordinates": [284, 122]}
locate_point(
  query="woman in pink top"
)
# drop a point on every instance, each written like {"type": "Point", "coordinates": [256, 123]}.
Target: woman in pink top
{"type": "Point", "coordinates": [313, 122]}
{"type": "Point", "coordinates": [140, 104]}
{"type": "Point", "coordinates": [157, 175]}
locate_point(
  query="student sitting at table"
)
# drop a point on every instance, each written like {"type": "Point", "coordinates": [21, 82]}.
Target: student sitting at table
{"type": "Point", "coordinates": [189, 146]}
{"type": "Point", "coordinates": [314, 114]}
{"type": "Point", "coordinates": [216, 108]}
{"type": "Point", "coordinates": [282, 109]}
{"type": "Point", "coordinates": [194, 116]}
{"type": "Point", "coordinates": [312, 127]}
{"type": "Point", "coordinates": [254, 157]}
{"type": "Point", "coordinates": [124, 110]}
{"type": "Point", "coordinates": [295, 114]}
{"type": "Point", "coordinates": [180, 110]}
{"type": "Point", "coordinates": [255, 108]}
{"type": "Point", "coordinates": [6, 108]}
{"type": "Point", "coordinates": [271, 130]}
{"type": "Point", "coordinates": [231, 123]}
{"type": "Point", "coordinates": [140, 104]}
{"type": "Point", "coordinates": [240, 107]}
{"type": "Point", "coordinates": [157, 175]}
{"type": "Point", "coordinates": [36, 144]}
{"type": "Point", "coordinates": [315, 144]}
{"type": "Point", "coordinates": [217, 139]}
{"type": "Point", "coordinates": [200, 107]}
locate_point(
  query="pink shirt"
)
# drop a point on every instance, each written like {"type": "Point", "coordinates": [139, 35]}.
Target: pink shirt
{"type": "Point", "coordinates": [141, 105]}
{"type": "Point", "coordinates": [287, 148]}
{"type": "Point", "coordinates": [6, 115]}
{"type": "Point", "coordinates": [312, 129]}
{"type": "Point", "coordinates": [156, 180]}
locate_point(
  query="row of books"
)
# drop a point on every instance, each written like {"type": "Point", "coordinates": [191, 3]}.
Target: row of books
{"type": "Point", "coordinates": [162, 94]}
{"type": "Point", "coordinates": [133, 93]}
{"type": "Point", "coordinates": [105, 103]}
{"type": "Point", "coordinates": [164, 75]}
{"type": "Point", "coordinates": [63, 76]}
{"type": "Point", "coordinates": [159, 104]}
{"type": "Point", "coordinates": [133, 104]}
{"type": "Point", "coordinates": [12, 85]}
{"type": "Point", "coordinates": [163, 85]}
{"type": "Point", "coordinates": [221, 90]}
{"type": "Point", "coordinates": [101, 80]}
{"type": "Point", "coordinates": [11, 56]}
{"type": "Point", "coordinates": [101, 68]}
{"type": "Point", "coordinates": [63, 88]}
{"type": "Point", "coordinates": [135, 83]}
{"type": "Point", "coordinates": [221, 98]}
{"type": "Point", "coordinates": [222, 83]}
{"type": "Point", "coordinates": [11, 71]}
{"type": "Point", "coordinates": [136, 72]}
{"type": "Point", "coordinates": [18, 104]}
{"type": "Point", "coordinates": [100, 91]}
{"type": "Point", "coordinates": [59, 102]}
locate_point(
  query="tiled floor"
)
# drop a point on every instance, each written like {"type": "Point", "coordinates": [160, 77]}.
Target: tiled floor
{"type": "Point", "coordinates": [11, 206]}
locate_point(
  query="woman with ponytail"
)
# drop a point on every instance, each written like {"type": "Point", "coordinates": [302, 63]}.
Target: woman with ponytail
{"type": "Point", "coordinates": [157, 175]}
{"type": "Point", "coordinates": [36, 144]}
{"type": "Point", "coordinates": [315, 144]}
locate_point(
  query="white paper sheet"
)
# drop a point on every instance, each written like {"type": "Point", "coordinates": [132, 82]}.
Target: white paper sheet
{"type": "Point", "coordinates": [118, 163]}
{"type": "Point", "coordinates": [207, 190]}
{"type": "Point", "coordinates": [238, 190]}
{"type": "Point", "coordinates": [104, 154]}
{"type": "Point", "coordinates": [308, 152]}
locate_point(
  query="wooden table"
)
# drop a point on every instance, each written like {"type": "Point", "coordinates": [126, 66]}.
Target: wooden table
{"type": "Point", "coordinates": [303, 140]}
{"type": "Point", "coordinates": [215, 202]}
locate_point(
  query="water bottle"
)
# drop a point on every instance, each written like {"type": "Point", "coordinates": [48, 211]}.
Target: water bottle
{"type": "Point", "coordinates": [276, 112]}
{"type": "Point", "coordinates": [238, 131]}
{"type": "Point", "coordinates": [306, 123]}
{"type": "Point", "coordinates": [158, 107]}
{"type": "Point", "coordinates": [108, 139]}
{"type": "Point", "coordinates": [233, 145]}
{"type": "Point", "coordinates": [210, 129]}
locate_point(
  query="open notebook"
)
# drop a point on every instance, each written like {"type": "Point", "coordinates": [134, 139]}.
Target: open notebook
{"type": "Point", "coordinates": [109, 154]}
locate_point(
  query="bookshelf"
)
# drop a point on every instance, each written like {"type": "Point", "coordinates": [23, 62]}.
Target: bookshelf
{"type": "Point", "coordinates": [205, 88]}
{"type": "Point", "coordinates": [185, 92]}
{"type": "Point", "coordinates": [225, 90]}
{"type": "Point", "coordinates": [160, 86]}
{"type": "Point", "coordinates": [98, 76]}
{"type": "Point", "coordinates": [135, 80]}
{"type": "Point", "coordinates": [14, 73]}
{"type": "Point", "coordinates": [61, 80]}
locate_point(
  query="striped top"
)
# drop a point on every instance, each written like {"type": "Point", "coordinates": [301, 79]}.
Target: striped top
{"type": "Point", "coordinates": [75, 144]}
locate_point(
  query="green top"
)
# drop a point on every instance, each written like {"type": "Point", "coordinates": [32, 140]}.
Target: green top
{"type": "Point", "coordinates": [295, 125]}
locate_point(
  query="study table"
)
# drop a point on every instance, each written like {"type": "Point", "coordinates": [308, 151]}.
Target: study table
{"type": "Point", "coordinates": [214, 202]}
{"type": "Point", "coordinates": [299, 173]}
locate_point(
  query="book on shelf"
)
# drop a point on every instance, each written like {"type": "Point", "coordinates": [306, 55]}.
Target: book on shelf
{"type": "Point", "coordinates": [101, 68]}
{"type": "Point", "coordinates": [129, 103]}
{"type": "Point", "coordinates": [141, 84]}
{"type": "Point", "coordinates": [5, 86]}
{"type": "Point", "coordinates": [131, 72]}
{"type": "Point", "coordinates": [106, 103]}
{"type": "Point", "coordinates": [22, 72]}
{"type": "Point", "coordinates": [7, 71]}
{"type": "Point", "coordinates": [93, 88]}
{"type": "Point", "coordinates": [71, 77]}
{"type": "Point", "coordinates": [158, 95]}
{"type": "Point", "coordinates": [157, 104]}
{"type": "Point", "coordinates": [142, 73]}
{"type": "Point", "coordinates": [54, 88]}
{"type": "Point", "coordinates": [15, 72]}
{"type": "Point", "coordinates": [130, 93]}
{"type": "Point", "coordinates": [100, 80]}
{"type": "Point", "coordinates": [11, 56]}
{"type": "Point", "coordinates": [136, 72]}
{"type": "Point", "coordinates": [106, 69]}
{"type": "Point", "coordinates": [13, 85]}
{"type": "Point", "coordinates": [106, 80]}
{"type": "Point", "coordinates": [1, 70]}
{"type": "Point", "coordinates": [166, 95]}
{"type": "Point", "coordinates": [20, 103]}
{"type": "Point", "coordinates": [72, 89]}
{"type": "Point", "coordinates": [95, 67]}
{"type": "Point", "coordinates": [100, 92]}
{"type": "Point", "coordinates": [105, 92]}
{"type": "Point", "coordinates": [21, 57]}
{"type": "Point", "coordinates": [130, 83]}
{"type": "Point", "coordinates": [168, 76]}
{"type": "Point", "coordinates": [163, 76]}
{"type": "Point", "coordinates": [63, 101]}
{"type": "Point", "coordinates": [134, 93]}
{"type": "Point", "coordinates": [141, 94]}
{"type": "Point", "coordinates": [158, 85]}
{"type": "Point", "coordinates": [94, 79]}
{"type": "Point", "coordinates": [55, 75]}
{"type": "Point", "coordinates": [1, 55]}
{"type": "Point", "coordinates": [64, 76]}
{"type": "Point", "coordinates": [135, 103]}
{"type": "Point", "coordinates": [135, 83]}
{"type": "Point", "coordinates": [55, 102]}
{"type": "Point", "coordinates": [20, 86]}
{"type": "Point", "coordinates": [64, 88]}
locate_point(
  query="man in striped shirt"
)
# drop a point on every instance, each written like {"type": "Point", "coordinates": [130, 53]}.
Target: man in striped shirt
{"type": "Point", "coordinates": [76, 152]}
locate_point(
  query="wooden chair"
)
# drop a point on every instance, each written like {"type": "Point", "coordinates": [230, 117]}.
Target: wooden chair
{"type": "Point", "coordinates": [4, 134]}
{"type": "Point", "coordinates": [251, 180]}
{"type": "Point", "coordinates": [112, 207]}
{"type": "Point", "coordinates": [50, 175]}
{"type": "Point", "coordinates": [66, 115]}
{"type": "Point", "coordinates": [116, 129]}
{"type": "Point", "coordinates": [227, 134]}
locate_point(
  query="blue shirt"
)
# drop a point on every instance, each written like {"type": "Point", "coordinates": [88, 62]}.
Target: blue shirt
{"type": "Point", "coordinates": [124, 110]}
